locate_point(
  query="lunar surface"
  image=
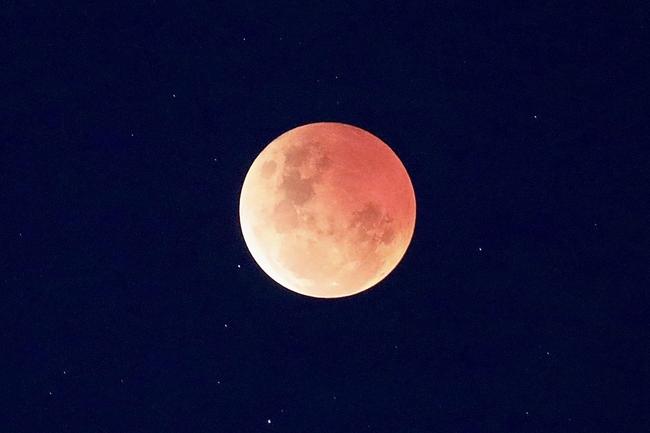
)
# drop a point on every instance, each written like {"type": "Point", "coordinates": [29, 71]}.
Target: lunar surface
{"type": "Point", "coordinates": [327, 210]}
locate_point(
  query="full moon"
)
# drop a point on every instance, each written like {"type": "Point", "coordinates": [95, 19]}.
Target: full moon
{"type": "Point", "coordinates": [327, 210]}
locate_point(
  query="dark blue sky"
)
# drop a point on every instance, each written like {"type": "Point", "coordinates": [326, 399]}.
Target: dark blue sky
{"type": "Point", "coordinates": [132, 304]}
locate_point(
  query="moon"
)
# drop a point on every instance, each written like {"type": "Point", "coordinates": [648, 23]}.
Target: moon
{"type": "Point", "coordinates": [327, 210]}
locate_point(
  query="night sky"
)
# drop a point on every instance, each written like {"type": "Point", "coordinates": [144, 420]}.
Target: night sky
{"type": "Point", "coordinates": [130, 301]}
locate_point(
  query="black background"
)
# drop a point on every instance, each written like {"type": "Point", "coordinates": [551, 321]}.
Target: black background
{"type": "Point", "coordinates": [521, 305]}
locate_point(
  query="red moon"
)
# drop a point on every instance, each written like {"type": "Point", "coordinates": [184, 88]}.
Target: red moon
{"type": "Point", "coordinates": [327, 210]}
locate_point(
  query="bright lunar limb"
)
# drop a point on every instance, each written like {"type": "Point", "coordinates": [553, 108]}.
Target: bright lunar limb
{"type": "Point", "coordinates": [327, 210]}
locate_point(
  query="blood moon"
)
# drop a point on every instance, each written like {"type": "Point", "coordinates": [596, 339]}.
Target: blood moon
{"type": "Point", "coordinates": [327, 210]}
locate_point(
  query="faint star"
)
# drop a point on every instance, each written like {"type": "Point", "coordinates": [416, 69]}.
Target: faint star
{"type": "Point", "coordinates": [534, 116]}
{"type": "Point", "coordinates": [238, 266]}
{"type": "Point", "coordinates": [225, 325]}
{"type": "Point", "coordinates": [268, 421]}
{"type": "Point", "coordinates": [480, 249]}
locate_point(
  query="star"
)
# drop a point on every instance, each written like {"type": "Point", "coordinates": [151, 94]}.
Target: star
{"type": "Point", "coordinates": [268, 421]}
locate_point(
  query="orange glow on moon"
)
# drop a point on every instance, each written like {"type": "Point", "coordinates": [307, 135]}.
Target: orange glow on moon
{"type": "Point", "coordinates": [327, 210]}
